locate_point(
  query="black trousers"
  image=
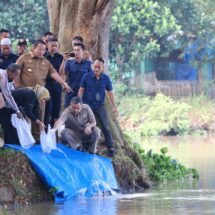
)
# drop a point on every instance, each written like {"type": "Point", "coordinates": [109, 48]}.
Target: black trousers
{"type": "Point", "coordinates": [53, 106]}
{"type": "Point", "coordinates": [10, 133]}
{"type": "Point", "coordinates": [101, 114]}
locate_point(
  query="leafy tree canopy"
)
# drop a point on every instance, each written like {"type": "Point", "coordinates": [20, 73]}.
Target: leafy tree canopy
{"type": "Point", "coordinates": [28, 18]}
{"type": "Point", "coordinates": [147, 28]}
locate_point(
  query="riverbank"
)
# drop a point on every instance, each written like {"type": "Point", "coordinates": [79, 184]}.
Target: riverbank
{"type": "Point", "coordinates": [181, 197]}
{"type": "Point", "coordinates": [19, 183]}
{"type": "Point", "coordinates": [18, 180]}
{"type": "Point", "coordinates": [162, 116]}
{"type": "Point", "coordinates": [137, 114]}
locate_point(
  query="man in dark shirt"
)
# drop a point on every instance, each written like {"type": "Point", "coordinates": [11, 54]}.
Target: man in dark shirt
{"type": "Point", "coordinates": [54, 88]}
{"type": "Point", "coordinates": [48, 35]}
{"type": "Point", "coordinates": [4, 33]}
{"type": "Point", "coordinates": [6, 56]}
{"type": "Point", "coordinates": [77, 39]}
{"type": "Point", "coordinates": [22, 47]}
{"type": "Point", "coordinates": [92, 88]}
{"type": "Point", "coordinates": [27, 102]}
{"type": "Point", "coordinates": [75, 70]}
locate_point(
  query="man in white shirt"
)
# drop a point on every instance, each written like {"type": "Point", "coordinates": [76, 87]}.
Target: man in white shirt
{"type": "Point", "coordinates": [8, 105]}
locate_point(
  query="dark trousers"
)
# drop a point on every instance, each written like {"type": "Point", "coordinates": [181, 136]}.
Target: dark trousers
{"type": "Point", "coordinates": [10, 133]}
{"type": "Point", "coordinates": [53, 106]}
{"type": "Point", "coordinates": [101, 114]}
{"type": "Point", "coordinates": [68, 98]}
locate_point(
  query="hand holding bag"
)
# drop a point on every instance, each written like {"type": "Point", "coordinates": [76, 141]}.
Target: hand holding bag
{"type": "Point", "coordinates": [48, 140]}
{"type": "Point", "coordinates": [23, 131]}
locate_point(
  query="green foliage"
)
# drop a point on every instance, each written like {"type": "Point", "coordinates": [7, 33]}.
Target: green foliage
{"type": "Point", "coordinates": [28, 19]}
{"type": "Point", "coordinates": [190, 15]}
{"type": "Point", "coordinates": [142, 116]}
{"type": "Point", "coordinates": [165, 115]}
{"type": "Point", "coordinates": [136, 29]}
{"type": "Point", "coordinates": [202, 110]}
{"type": "Point", "coordinates": [145, 28]}
{"type": "Point", "coordinates": [163, 168]}
{"type": "Point", "coordinates": [154, 116]}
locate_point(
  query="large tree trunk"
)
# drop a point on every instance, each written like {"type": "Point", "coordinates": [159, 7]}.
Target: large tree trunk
{"type": "Point", "coordinates": [91, 20]}
{"type": "Point", "coordinates": [88, 18]}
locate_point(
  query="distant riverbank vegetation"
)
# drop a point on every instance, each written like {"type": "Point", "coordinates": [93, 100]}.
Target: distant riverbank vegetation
{"type": "Point", "coordinates": [162, 116]}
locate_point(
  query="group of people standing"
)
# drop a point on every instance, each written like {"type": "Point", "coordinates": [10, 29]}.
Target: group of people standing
{"type": "Point", "coordinates": [31, 85]}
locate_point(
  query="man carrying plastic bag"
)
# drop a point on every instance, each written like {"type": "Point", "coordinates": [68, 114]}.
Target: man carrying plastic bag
{"type": "Point", "coordinates": [24, 131]}
{"type": "Point", "coordinates": [7, 104]}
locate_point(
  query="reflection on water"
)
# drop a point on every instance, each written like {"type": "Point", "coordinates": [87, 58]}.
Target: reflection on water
{"type": "Point", "coordinates": [193, 197]}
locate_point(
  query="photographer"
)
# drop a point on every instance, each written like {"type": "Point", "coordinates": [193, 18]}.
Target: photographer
{"type": "Point", "coordinates": [74, 71]}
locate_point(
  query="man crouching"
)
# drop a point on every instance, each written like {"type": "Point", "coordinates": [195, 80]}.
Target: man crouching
{"type": "Point", "coordinates": [80, 126]}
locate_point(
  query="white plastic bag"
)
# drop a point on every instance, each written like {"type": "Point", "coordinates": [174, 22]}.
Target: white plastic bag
{"type": "Point", "coordinates": [59, 130]}
{"type": "Point", "coordinates": [24, 131]}
{"type": "Point", "coordinates": [48, 140]}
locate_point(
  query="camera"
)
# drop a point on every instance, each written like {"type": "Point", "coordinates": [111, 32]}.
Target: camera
{"type": "Point", "coordinates": [71, 54]}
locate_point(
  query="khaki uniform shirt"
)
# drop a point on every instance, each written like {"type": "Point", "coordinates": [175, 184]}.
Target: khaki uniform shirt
{"type": "Point", "coordinates": [34, 70]}
{"type": "Point", "coordinates": [84, 117]}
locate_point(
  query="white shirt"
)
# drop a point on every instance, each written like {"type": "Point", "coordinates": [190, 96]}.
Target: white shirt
{"type": "Point", "coordinates": [4, 85]}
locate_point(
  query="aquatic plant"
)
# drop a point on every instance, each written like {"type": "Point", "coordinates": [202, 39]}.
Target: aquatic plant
{"type": "Point", "coordinates": [162, 167]}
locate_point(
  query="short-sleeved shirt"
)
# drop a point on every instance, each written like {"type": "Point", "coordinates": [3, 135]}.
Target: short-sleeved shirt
{"type": "Point", "coordinates": [34, 70]}
{"type": "Point", "coordinates": [84, 117]}
{"type": "Point", "coordinates": [56, 61]}
{"type": "Point", "coordinates": [75, 71]}
{"type": "Point", "coordinates": [94, 89]}
{"type": "Point", "coordinates": [5, 90]}
{"type": "Point", "coordinates": [6, 61]}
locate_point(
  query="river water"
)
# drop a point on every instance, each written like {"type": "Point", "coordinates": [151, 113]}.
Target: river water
{"type": "Point", "coordinates": [196, 197]}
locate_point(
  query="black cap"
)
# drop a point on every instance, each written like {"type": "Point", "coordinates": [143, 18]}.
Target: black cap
{"type": "Point", "coordinates": [22, 42]}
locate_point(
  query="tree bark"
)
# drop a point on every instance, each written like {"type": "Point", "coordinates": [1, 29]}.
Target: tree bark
{"type": "Point", "coordinates": [88, 18]}
{"type": "Point", "coordinates": [91, 20]}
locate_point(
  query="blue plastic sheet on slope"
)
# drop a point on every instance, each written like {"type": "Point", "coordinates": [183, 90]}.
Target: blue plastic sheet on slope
{"type": "Point", "coordinates": [72, 173]}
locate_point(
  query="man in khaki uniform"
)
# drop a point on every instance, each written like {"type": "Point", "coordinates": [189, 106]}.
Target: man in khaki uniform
{"type": "Point", "coordinates": [80, 126]}
{"type": "Point", "coordinates": [35, 68]}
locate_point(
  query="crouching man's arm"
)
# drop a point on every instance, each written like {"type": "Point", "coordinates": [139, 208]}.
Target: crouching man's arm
{"type": "Point", "coordinates": [61, 120]}
{"type": "Point", "coordinates": [57, 124]}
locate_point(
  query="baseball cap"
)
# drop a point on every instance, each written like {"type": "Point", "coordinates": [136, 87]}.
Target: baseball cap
{"type": "Point", "coordinates": [22, 42]}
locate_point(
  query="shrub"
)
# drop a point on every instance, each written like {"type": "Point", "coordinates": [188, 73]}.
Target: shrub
{"type": "Point", "coordinates": [165, 115]}
{"type": "Point", "coordinates": [163, 168]}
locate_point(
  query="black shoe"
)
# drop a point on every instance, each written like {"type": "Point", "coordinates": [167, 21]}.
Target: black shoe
{"type": "Point", "coordinates": [111, 152]}
{"type": "Point", "coordinates": [79, 148]}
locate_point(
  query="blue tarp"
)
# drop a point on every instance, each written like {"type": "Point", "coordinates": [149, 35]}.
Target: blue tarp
{"type": "Point", "coordinates": [185, 71]}
{"type": "Point", "coordinates": [72, 173]}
